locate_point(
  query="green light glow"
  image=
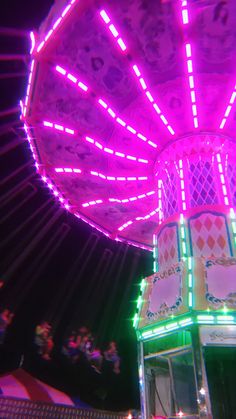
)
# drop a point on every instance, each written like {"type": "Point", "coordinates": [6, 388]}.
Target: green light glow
{"type": "Point", "coordinates": [201, 320]}
{"type": "Point", "coordinates": [225, 318]}
{"type": "Point", "coordinates": [190, 279]}
{"type": "Point", "coordinates": [172, 326]}
{"type": "Point", "coordinates": [182, 232]}
{"type": "Point", "coordinates": [147, 334]}
{"type": "Point", "coordinates": [181, 218]}
{"type": "Point", "coordinates": [234, 227]}
{"type": "Point", "coordinates": [189, 264]}
{"type": "Point", "coordinates": [158, 330]}
{"type": "Point", "coordinates": [232, 214]}
{"type": "Point", "coordinates": [154, 239]}
{"type": "Point", "coordinates": [203, 317]}
{"type": "Point", "coordinates": [139, 302]}
{"type": "Point", "coordinates": [143, 285]}
{"type": "Point", "coordinates": [135, 320]}
{"type": "Point", "coordinates": [185, 322]}
{"type": "Point", "coordinates": [184, 248]}
{"type": "Point", "coordinates": [190, 299]}
{"type": "Point", "coordinates": [155, 266]}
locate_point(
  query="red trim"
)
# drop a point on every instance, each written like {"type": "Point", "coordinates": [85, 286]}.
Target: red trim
{"type": "Point", "coordinates": [36, 392]}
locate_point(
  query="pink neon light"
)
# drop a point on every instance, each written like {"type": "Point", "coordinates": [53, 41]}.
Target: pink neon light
{"type": "Point", "coordinates": [58, 127]}
{"type": "Point", "coordinates": [67, 170]}
{"type": "Point", "coordinates": [185, 17]}
{"type": "Point", "coordinates": [143, 84]}
{"type": "Point", "coordinates": [103, 104]}
{"type": "Point", "coordinates": [87, 204]}
{"type": "Point", "coordinates": [32, 37]}
{"type": "Point", "coordinates": [228, 108]}
{"type": "Point", "coordinates": [113, 30]}
{"type": "Point", "coordinates": [188, 52]}
{"type": "Point", "coordinates": [160, 214]}
{"type": "Point", "coordinates": [137, 72]}
{"type": "Point", "coordinates": [121, 201]}
{"type": "Point", "coordinates": [182, 185]}
{"type": "Point", "coordinates": [145, 217]}
{"type": "Point", "coordinates": [56, 193]}
{"type": "Point", "coordinates": [189, 62]}
{"type": "Point", "coordinates": [30, 141]}
{"type": "Point", "coordinates": [55, 25]}
{"type": "Point", "coordinates": [118, 178]}
{"type": "Point", "coordinates": [124, 124]}
{"type": "Point", "coordinates": [115, 153]}
{"type": "Point", "coordinates": [71, 78]}
{"type": "Point", "coordinates": [70, 131]}
{"type": "Point", "coordinates": [105, 16]}
{"type": "Point", "coordinates": [28, 87]}
{"type": "Point", "coordinates": [70, 170]}
{"type": "Point", "coordinates": [81, 217]}
{"type": "Point", "coordinates": [222, 180]}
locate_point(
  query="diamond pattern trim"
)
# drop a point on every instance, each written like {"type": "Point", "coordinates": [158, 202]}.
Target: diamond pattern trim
{"type": "Point", "coordinates": [169, 195]}
{"type": "Point", "coordinates": [167, 243]}
{"type": "Point", "coordinates": [202, 185]}
{"type": "Point", "coordinates": [209, 236]}
{"type": "Point", "coordinates": [231, 172]}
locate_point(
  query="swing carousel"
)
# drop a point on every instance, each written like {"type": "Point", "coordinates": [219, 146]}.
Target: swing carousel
{"type": "Point", "coordinates": [129, 113]}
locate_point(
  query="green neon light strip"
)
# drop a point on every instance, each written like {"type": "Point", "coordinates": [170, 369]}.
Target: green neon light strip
{"type": "Point", "coordinates": [233, 224]}
{"type": "Point", "coordinates": [185, 322]}
{"type": "Point", "coordinates": [158, 330]}
{"type": "Point", "coordinates": [155, 266]}
{"type": "Point", "coordinates": [201, 319]}
{"type": "Point", "coordinates": [182, 232]}
{"type": "Point", "coordinates": [135, 320]}
{"type": "Point", "coordinates": [190, 279]}
{"type": "Point", "coordinates": [139, 302]}
{"type": "Point", "coordinates": [190, 299]}
{"type": "Point", "coordinates": [168, 328]}
{"type": "Point", "coordinates": [234, 227]}
{"type": "Point", "coordinates": [205, 317]}
{"type": "Point", "coordinates": [225, 317]}
{"type": "Point", "coordinates": [155, 254]}
{"type": "Point", "coordinates": [184, 248]}
{"type": "Point", "coordinates": [143, 285]}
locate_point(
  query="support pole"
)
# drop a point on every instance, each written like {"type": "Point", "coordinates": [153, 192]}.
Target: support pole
{"type": "Point", "coordinates": [13, 31]}
{"type": "Point", "coordinates": [10, 111]}
{"type": "Point", "coordinates": [13, 57]}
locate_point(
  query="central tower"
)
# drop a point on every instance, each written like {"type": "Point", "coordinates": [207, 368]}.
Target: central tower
{"type": "Point", "coordinates": [186, 310]}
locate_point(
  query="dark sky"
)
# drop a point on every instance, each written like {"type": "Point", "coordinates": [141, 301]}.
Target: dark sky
{"type": "Point", "coordinates": [53, 266]}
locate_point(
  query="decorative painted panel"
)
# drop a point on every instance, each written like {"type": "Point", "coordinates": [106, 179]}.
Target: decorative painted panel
{"type": "Point", "coordinates": [201, 184]}
{"type": "Point", "coordinates": [209, 235]}
{"type": "Point", "coordinates": [220, 277]}
{"type": "Point", "coordinates": [231, 172]}
{"type": "Point", "coordinates": [165, 297]}
{"type": "Point", "coordinates": [169, 195]}
{"type": "Point", "coordinates": [168, 248]}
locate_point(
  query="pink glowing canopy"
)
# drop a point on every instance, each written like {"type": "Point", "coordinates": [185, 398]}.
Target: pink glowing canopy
{"type": "Point", "coordinates": [113, 83]}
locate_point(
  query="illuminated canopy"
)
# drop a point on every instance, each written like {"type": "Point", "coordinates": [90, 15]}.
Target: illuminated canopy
{"type": "Point", "coordinates": [114, 83]}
